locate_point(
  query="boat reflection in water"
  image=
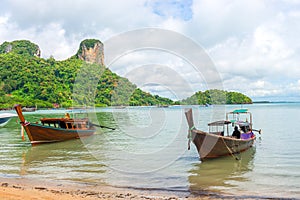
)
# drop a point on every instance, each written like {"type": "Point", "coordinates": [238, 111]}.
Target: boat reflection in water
{"type": "Point", "coordinates": [222, 174]}
{"type": "Point", "coordinates": [68, 161]}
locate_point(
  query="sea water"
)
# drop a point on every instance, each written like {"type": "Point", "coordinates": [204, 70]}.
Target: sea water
{"type": "Point", "coordinates": [148, 150]}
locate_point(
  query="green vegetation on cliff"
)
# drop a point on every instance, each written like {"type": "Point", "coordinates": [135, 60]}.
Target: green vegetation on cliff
{"type": "Point", "coordinates": [31, 81]}
{"type": "Point", "coordinates": [27, 79]}
{"type": "Point", "coordinates": [23, 47]}
{"type": "Point", "coordinates": [88, 43]}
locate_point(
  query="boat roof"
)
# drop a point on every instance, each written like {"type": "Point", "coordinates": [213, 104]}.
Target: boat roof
{"type": "Point", "coordinates": [219, 123]}
{"type": "Point", "coordinates": [243, 110]}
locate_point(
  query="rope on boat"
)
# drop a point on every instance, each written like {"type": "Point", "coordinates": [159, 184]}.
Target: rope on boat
{"type": "Point", "coordinates": [25, 123]}
{"type": "Point", "coordinates": [190, 136]}
{"type": "Point", "coordinates": [230, 151]}
{"type": "Point", "coordinates": [22, 133]}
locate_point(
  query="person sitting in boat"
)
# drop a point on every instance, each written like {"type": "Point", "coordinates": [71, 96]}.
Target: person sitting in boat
{"type": "Point", "coordinates": [251, 133]}
{"type": "Point", "coordinates": [248, 135]}
{"type": "Point", "coordinates": [243, 129]}
{"type": "Point", "coordinates": [236, 133]}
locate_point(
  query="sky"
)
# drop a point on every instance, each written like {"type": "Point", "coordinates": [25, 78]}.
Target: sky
{"type": "Point", "coordinates": [253, 45]}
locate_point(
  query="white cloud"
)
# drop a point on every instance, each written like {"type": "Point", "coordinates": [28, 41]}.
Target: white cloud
{"type": "Point", "coordinates": [62, 24]}
{"type": "Point", "coordinates": [51, 39]}
{"type": "Point", "coordinates": [294, 87]}
{"type": "Point", "coordinates": [268, 54]}
{"type": "Point", "coordinates": [214, 21]}
{"type": "Point", "coordinates": [255, 44]}
{"type": "Point", "coordinates": [159, 71]}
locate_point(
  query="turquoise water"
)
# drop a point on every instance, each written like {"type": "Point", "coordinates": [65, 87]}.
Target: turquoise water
{"type": "Point", "coordinates": [148, 150]}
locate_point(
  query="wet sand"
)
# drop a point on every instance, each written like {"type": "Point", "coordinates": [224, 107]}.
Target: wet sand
{"type": "Point", "coordinates": [22, 189]}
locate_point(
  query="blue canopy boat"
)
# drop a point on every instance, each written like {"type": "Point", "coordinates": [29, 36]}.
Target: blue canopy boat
{"type": "Point", "coordinates": [218, 142]}
{"type": "Point", "coordinates": [5, 117]}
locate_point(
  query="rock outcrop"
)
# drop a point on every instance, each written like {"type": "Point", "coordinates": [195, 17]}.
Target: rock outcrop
{"type": "Point", "coordinates": [91, 51]}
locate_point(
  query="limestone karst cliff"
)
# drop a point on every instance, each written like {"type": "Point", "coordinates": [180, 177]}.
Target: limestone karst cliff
{"type": "Point", "coordinates": [91, 51]}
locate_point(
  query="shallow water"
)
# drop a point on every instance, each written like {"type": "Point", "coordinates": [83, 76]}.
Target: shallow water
{"type": "Point", "coordinates": [149, 150]}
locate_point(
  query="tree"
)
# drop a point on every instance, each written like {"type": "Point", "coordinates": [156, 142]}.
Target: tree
{"type": "Point", "coordinates": [29, 79]}
{"type": "Point", "coordinates": [215, 96]}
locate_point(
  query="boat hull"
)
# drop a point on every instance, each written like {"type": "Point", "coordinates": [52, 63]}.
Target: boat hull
{"type": "Point", "coordinates": [213, 146]}
{"type": "Point", "coordinates": [5, 117]}
{"type": "Point", "coordinates": [4, 121]}
{"type": "Point", "coordinates": [44, 134]}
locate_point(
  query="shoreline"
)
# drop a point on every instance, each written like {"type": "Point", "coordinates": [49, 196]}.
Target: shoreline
{"type": "Point", "coordinates": [20, 188]}
{"type": "Point", "coordinates": [23, 188]}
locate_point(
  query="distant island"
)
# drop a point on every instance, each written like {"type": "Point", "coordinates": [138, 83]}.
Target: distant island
{"type": "Point", "coordinates": [30, 80]}
{"type": "Point", "coordinates": [279, 101]}
{"type": "Point", "coordinates": [261, 102]}
{"type": "Point", "coordinates": [215, 96]}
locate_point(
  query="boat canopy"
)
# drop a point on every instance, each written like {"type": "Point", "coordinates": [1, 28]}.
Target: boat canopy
{"type": "Point", "coordinates": [219, 123]}
{"type": "Point", "coordinates": [244, 110]}
{"type": "Point", "coordinates": [240, 117]}
{"type": "Point", "coordinates": [66, 123]}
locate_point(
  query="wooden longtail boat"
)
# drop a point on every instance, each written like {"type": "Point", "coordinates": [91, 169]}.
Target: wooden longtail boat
{"type": "Point", "coordinates": [55, 129]}
{"type": "Point", "coordinates": [214, 144]}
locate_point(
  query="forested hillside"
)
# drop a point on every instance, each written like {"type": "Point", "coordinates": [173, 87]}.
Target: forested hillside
{"type": "Point", "coordinates": [29, 80]}
{"type": "Point", "coordinates": [217, 97]}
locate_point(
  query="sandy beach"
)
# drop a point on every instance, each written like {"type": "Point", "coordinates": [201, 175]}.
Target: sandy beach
{"type": "Point", "coordinates": [23, 189]}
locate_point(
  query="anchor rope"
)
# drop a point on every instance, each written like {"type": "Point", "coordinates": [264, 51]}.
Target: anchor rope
{"type": "Point", "coordinates": [230, 151]}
